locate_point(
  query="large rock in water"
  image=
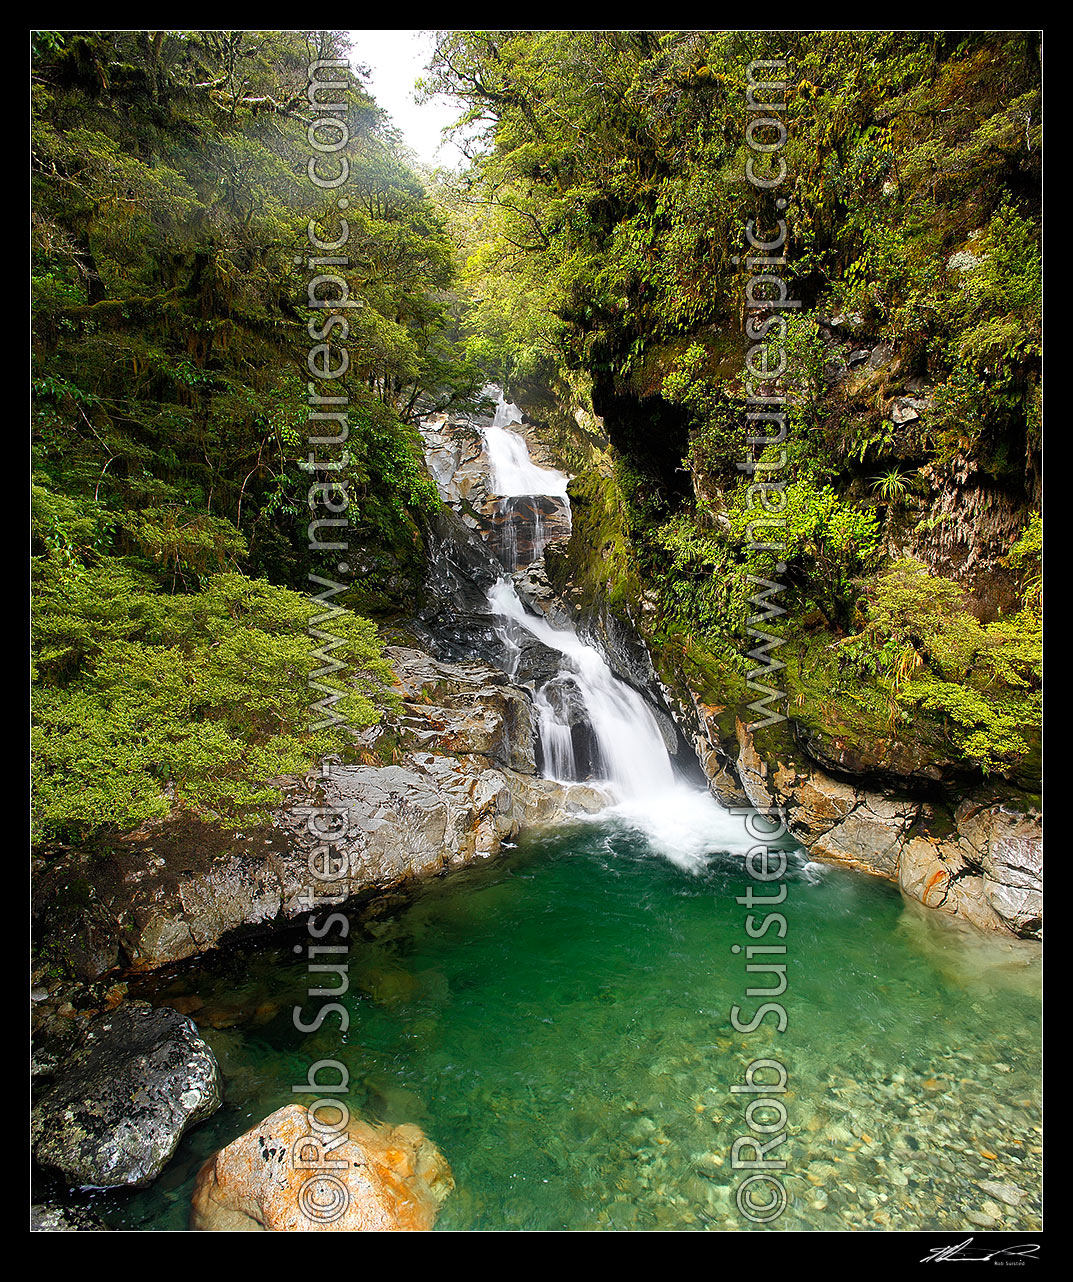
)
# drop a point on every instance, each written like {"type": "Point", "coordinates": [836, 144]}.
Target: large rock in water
{"type": "Point", "coordinates": [280, 1178]}
{"type": "Point", "coordinates": [124, 1099]}
{"type": "Point", "coordinates": [563, 695]}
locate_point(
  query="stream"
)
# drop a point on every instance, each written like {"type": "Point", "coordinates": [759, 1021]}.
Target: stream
{"type": "Point", "coordinates": [558, 1021]}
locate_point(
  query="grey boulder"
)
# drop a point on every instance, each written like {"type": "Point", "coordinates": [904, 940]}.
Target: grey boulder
{"type": "Point", "coordinates": [121, 1103]}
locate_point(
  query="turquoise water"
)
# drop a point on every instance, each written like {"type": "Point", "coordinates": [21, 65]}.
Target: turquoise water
{"type": "Point", "coordinates": [558, 1021]}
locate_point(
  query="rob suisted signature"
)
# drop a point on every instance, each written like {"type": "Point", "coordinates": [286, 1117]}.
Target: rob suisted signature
{"type": "Point", "coordinates": [965, 1252]}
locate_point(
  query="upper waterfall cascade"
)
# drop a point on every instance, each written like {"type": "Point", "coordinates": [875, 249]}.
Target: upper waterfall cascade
{"type": "Point", "coordinates": [513, 472]}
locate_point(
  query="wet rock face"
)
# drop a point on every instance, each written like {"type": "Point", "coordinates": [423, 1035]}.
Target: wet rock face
{"type": "Point", "coordinates": [565, 697]}
{"type": "Point", "coordinates": [534, 589]}
{"type": "Point", "coordinates": [452, 618]}
{"type": "Point", "coordinates": [119, 1105]}
{"type": "Point", "coordinates": [454, 451]}
{"type": "Point", "coordinates": [460, 709]}
{"type": "Point", "coordinates": [986, 870]}
{"type": "Point", "coordinates": [279, 1178]}
{"type": "Point", "coordinates": [514, 532]}
{"type": "Point", "coordinates": [454, 621]}
{"type": "Point", "coordinates": [520, 528]}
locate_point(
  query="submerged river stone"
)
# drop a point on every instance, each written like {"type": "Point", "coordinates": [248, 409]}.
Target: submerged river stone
{"type": "Point", "coordinates": [280, 1178]}
{"type": "Point", "coordinates": [124, 1099]}
{"type": "Point", "coordinates": [45, 1218]}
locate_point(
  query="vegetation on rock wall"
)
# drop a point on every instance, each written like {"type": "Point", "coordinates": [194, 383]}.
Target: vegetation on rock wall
{"type": "Point", "coordinates": [610, 243]}
{"type": "Point", "coordinates": [590, 259]}
{"type": "Point", "coordinates": [171, 481]}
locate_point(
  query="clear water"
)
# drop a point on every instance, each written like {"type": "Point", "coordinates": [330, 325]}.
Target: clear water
{"type": "Point", "coordinates": [558, 1022]}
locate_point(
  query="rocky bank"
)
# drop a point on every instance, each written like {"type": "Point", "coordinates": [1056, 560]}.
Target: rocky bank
{"type": "Point", "coordinates": [461, 780]}
{"type": "Point", "coordinates": [975, 852]}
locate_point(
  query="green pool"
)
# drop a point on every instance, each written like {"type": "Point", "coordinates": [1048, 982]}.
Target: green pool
{"type": "Point", "coordinates": [558, 1021]}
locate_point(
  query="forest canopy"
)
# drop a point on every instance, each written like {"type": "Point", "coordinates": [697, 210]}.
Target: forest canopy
{"type": "Point", "coordinates": [606, 209]}
{"type": "Point", "coordinates": [590, 258]}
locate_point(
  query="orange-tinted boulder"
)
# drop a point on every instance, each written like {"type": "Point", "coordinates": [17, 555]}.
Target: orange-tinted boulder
{"type": "Point", "coordinates": [282, 1177]}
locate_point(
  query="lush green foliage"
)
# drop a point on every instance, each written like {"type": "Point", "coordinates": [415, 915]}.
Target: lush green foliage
{"type": "Point", "coordinates": [933, 655]}
{"type": "Point", "coordinates": [170, 210]}
{"type": "Point", "coordinates": [147, 698]}
{"type": "Point", "coordinates": [609, 179]}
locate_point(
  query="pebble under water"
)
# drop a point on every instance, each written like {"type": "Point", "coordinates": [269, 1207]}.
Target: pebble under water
{"type": "Point", "coordinates": [558, 1022]}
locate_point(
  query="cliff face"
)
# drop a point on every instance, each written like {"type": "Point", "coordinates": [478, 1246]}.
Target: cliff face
{"type": "Point", "coordinates": [964, 530]}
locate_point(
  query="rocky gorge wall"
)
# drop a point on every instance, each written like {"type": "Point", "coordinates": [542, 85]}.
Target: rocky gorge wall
{"type": "Point", "coordinates": [462, 780]}
{"type": "Point", "coordinates": [975, 856]}
{"type": "Point", "coordinates": [969, 848]}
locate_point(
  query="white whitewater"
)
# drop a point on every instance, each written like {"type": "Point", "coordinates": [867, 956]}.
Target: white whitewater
{"type": "Point", "coordinates": [682, 821]}
{"type": "Point", "coordinates": [631, 743]}
{"type": "Point", "coordinates": [513, 472]}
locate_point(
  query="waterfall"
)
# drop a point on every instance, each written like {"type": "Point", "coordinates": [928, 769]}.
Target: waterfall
{"type": "Point", "coordinates": [525, 494]}
{"type": "Point", "coordinates": [591, 724]}
{"type": "Point", "coordinates": [683, 822]}
{"type": "Point", "coordinates": [556, 739]}
{"type": "Point", "coordinates": [631, 751]}
{"type": "Point", "coordinates": [513, 472]}
{"type": "Point", "coordinates": [631, 744]}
